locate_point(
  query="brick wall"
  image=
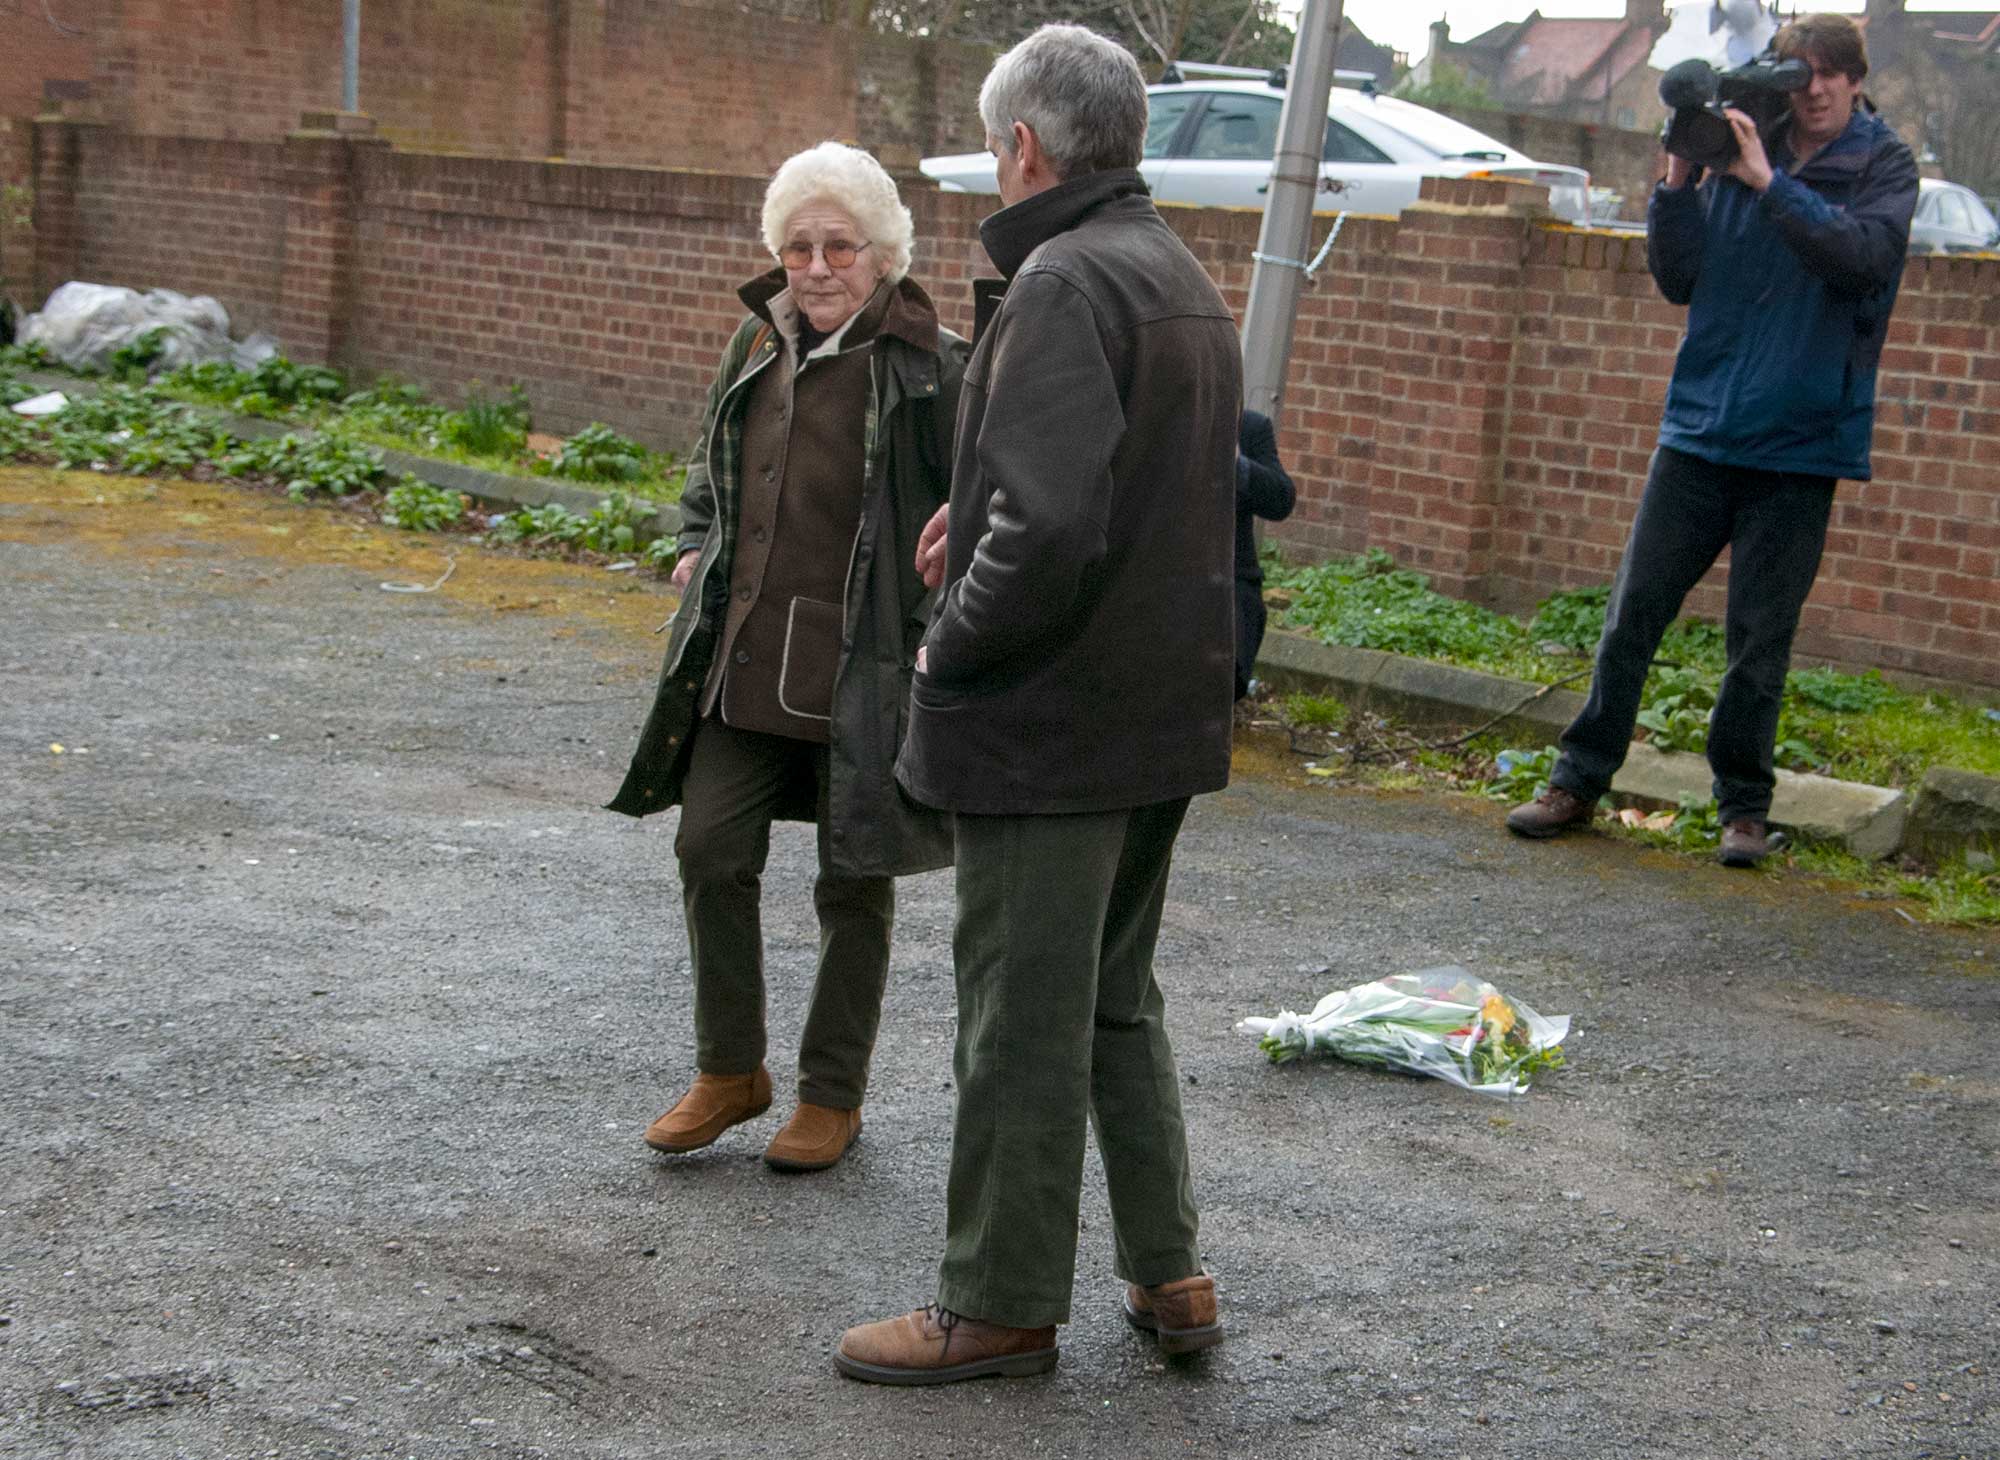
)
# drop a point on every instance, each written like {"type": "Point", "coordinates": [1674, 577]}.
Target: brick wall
{"type": "Point", "coordinates": [57, 45]}
{"type": "Point", "coordinates": [17, 239]}
{"type": "Point", "coordinates": [202, 217]}
{"type": "Point", "coordinates": [1474, 391]}
{"type": "Point", "coordinates": [625, 82]}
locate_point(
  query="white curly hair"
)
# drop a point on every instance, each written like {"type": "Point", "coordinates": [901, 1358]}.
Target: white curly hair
{"type": "Point", "coordinates": [851, 180]}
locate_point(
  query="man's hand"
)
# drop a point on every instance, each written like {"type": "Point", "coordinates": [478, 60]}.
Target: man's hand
{"type": "Point", "coordinates": [684, 569]}
{"type": "Point", "coordinates": [923, 659]}
{"type": "Point", "coordinates": [930, 553]}
{"type": "Point", "coordinates": [1750, 166]}
{"type": "Point", "coordinates": [1679, 170]}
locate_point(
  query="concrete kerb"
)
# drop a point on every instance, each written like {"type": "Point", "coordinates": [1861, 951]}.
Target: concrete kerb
{"type": "Point", "coordinates": [1867, 820]}
{"type": "Point", "coordinates": [494, 489]}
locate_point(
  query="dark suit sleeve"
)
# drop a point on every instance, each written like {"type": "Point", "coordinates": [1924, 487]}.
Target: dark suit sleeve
{"type": "Point", "coordinates": [1263, 486]}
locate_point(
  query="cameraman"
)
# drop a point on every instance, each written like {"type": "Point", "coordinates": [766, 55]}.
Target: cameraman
{"type": "Point", "coordinates": [1789, 262]}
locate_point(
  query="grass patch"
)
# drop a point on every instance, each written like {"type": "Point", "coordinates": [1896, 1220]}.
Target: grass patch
{"type": "Point", "coordinates": [1855, 727]}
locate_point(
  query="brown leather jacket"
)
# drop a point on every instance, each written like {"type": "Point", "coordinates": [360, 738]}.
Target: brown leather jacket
{"type": "Point", "coordinates": [1081, 655]}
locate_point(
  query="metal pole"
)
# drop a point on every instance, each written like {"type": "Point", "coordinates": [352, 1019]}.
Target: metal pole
{"type": "Point", "coordinates": [1287, 231]}
{"type": "Point", "coordinates": [350, 57]}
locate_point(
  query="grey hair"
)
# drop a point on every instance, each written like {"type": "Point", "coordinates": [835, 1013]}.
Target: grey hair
{"type": "Point", "coordinates": [1082, 96]}
{"type": "Point", "coordinates": [852, 181]}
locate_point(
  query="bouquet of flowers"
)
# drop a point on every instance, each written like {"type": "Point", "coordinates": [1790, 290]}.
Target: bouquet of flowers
{"type": "Point", "coordinates": [1441, 1022]}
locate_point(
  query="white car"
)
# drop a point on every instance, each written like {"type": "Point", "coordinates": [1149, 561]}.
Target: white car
{"type": "Point", "coordinates": [1212, 141]}
{"type": "Point", "coordinates": [1951, 219]}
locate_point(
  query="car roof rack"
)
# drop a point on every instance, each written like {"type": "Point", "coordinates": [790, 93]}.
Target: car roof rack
{"type": "Point", "coordinates": [1178, 72]}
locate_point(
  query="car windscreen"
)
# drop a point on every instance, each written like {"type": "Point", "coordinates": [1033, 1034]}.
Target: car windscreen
{"type": "Point", "coordinates": [1428, 131]}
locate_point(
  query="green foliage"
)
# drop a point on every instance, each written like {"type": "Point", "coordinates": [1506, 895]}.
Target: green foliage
{"type": "Point", "coordinates": [134, 363]}
{"type": "Point", "coordinates": [1677, 706]}
{"type": "Point", "coordinates": [599, 454]}
{"type": "Point", "coordinates": [24, 357]}
{"type": "Point", "coordinates": [614, 525]}
{"type": "Point", "coordinates": [1370, 603]}
{"type": "Point", "coordinates": [1449, 86]}
{"type": "Point", "coordinates": [1314, 712]}
{"type": "Point", "coordinates": [552, 525]}
{"type": "Point", "coordinates": [489, 425]}
{"type": "Point", "coordinates": [280, 381]}
{"type": "Point", "coordinates": [1573, 618]}
{"type": "Point", "coordinates": [324, 465]}
{"type": "Point", "coordinates": [417, 506]}
{"type": "Point", "coordinates": [1694, 643]}
{"type": "Point", "coordinates": [1521, 775]}
{"type": "Point", "coordinates": [1959, 893]}
{"type": "Point", "coordinates": [662, 553]}
{"type": "Point", "coordinates": [1847, 694]}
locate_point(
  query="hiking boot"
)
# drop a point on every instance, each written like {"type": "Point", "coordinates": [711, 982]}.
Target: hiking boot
{"type": "Point", "coordinates": [937, 1346]}
{"type": "Point", "coordinates": [712, 1104]}
{"type": "Point", "coordinates": [1744, 843]}
{"type": "Point", "coordinates": [1180, 1314]}
{"type": "Point", "coordinates": [1553, 811]}
{"type": "Point", "coordinates": [813, 1139]}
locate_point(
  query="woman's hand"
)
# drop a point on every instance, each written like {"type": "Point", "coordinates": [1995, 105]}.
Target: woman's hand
{"type": "Point", "coordinates": [684, 569]}
{"type": "Point", "coordinates": [930, 549]}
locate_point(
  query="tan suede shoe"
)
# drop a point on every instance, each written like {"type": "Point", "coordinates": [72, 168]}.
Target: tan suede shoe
{"type": "Point", "coordinates": [813, 1139]}
{"type": "Point", "coordinates": [711, 1106]}
{"type": "Point", "coordinates": [936, 1346]}
{"type": "Point", "coordinates": [1180, 1314]}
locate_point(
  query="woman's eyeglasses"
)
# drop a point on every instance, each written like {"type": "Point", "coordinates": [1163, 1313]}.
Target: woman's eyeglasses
{"type": "Point", "coordinates": [838, 253]}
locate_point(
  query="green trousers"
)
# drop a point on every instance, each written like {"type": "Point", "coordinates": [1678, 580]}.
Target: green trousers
{"type": "Point", "coordinates": [736, 782]}
{"type": "Point", "coordinates": [1060, 1020]}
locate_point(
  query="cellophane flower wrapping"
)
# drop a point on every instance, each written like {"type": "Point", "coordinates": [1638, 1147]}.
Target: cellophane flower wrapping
{"type": "Point", "coordinates": [1440, 1022]}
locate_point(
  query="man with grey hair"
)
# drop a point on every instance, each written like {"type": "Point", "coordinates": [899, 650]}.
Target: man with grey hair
{"type": "Point", "coordinates": [1073, 693]}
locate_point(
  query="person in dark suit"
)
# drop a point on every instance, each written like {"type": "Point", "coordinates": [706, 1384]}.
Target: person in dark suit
{"type": "Point", "coordinates": [1263, 489]}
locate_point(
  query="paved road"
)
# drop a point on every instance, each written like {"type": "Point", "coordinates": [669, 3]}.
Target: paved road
{"type": "Point", "coordinates": [333, 1009]}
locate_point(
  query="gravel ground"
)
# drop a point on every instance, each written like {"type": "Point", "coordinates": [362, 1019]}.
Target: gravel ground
{"type": "Point", "coordinates": [333, 1009]}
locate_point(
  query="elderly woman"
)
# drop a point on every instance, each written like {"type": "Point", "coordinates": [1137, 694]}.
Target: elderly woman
{"type": "Point", "coordinates": [825, 446]}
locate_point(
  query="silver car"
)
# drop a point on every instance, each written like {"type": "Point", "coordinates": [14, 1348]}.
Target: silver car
{"type": "Point", "coordinates": [1951, 219]}
{"type": "Point", "coordinates": [1212, 142]}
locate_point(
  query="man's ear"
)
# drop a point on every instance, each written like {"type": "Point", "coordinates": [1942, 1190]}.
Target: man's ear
{"type": "Point", "coordinates": [1035, 169]}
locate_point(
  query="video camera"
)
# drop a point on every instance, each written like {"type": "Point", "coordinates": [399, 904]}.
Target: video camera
{"type": "Point", "coordinates": [1697, 92]}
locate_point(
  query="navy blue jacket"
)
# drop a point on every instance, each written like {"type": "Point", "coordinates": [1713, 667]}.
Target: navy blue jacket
{"type": "Point", "coordinates": [1789, 295]}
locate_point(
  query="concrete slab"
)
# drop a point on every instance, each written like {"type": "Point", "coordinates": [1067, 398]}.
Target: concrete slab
{"type": "Point", "coordinates": [1417, 691]}
{"type": "Point", "coordinates": [1954, 812]}
{"type": "Point", "coordinates": [1867, 820]}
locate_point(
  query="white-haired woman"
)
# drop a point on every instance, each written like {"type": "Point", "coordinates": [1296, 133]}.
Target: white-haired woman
{"type": "Point", "coordinates": [825, 446]}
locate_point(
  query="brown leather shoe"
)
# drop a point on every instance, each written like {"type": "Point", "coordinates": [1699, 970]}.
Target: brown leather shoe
{"type": "Point", "coordinates": [711, 1106]}
{"type": "Point", "coordinates": [1553, 811]}
{"type": "Point", "coordinates": [813, 1139]}
{"type": "Point", "coordinates": [1744, 843]}
{"type": "Point", "coordinates": [1180, 1314]}
{"type": "Point", "coordinates": [936, 1346]}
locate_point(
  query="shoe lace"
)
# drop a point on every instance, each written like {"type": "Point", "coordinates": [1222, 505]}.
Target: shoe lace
{"type": "Point", "coordinates": [945, 1320]}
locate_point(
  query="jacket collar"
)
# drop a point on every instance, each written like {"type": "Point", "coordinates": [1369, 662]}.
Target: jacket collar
{"type": "Point", "coordinates": [1013, 233]}
{"type": "Point", "coordinates": [1845, 154]}
{"type": "Point", "coordinates": [909, 314]}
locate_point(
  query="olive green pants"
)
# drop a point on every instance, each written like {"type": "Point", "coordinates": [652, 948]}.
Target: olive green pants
{"type": "Point", "coordinates": [737, 780]}
{"type": "Point", "coordinates": [1060, 1020]}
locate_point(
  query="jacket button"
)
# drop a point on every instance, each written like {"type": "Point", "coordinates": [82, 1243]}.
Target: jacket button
{"type": "Point", "coordinates": [769, 473]}
{"type": "Point", "coordinates": [756, 534]}
{"type": "Point", "coordinates": [742, 656]}
{"type": "Point", "coordinates": [743, 594]}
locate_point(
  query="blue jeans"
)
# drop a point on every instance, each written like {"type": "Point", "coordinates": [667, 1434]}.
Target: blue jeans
{"type": "Point", "coordinates": [1774, 524]}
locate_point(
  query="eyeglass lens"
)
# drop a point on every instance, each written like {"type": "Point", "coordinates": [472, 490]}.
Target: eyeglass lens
{"type": "Point", "coordinates": [838, 254]}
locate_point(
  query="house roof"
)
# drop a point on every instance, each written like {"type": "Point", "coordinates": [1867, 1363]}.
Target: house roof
{"type": "Point", "coordinates": [1538, 61]}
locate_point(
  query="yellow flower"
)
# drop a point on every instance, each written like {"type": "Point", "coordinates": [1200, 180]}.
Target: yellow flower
{"type": "Point", "coordinates": [1497, 1014]}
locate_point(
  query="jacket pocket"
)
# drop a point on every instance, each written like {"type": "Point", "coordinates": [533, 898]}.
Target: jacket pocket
{"type": "Point", "coordinates": [812, 657]}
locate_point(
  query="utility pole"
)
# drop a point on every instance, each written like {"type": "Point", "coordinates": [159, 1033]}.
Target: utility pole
{"type": "Point", "coordinates": [1287, 233]}
{"type": "Point", "coordinates": [350, 56]}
